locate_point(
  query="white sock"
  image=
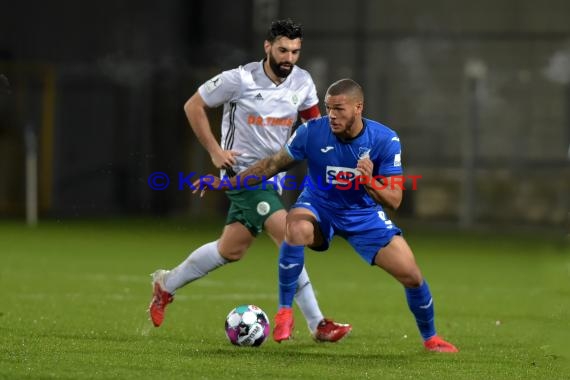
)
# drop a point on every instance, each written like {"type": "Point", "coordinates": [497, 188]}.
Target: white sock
{"type": "Point", "coordinates": [307, 302]}
{"type": "Point", "coordinates": [198, 264]}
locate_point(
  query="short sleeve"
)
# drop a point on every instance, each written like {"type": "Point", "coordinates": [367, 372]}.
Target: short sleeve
{"type": "Point", "coordinates": [222, 88]}
{"type": "Point", "coordinates": [391, 157]}
{"type": "Point", "coordinates": [311, 99]}
{"type": "Point", "coordinates": [297, 144]}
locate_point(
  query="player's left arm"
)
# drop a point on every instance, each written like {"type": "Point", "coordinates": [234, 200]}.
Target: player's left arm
{"type": "Point", "coordinates": [310, 113]}
{"type": "Point", "coordinates": [383, 190]}
{"type": "Point", "coordinates": [309, 107]}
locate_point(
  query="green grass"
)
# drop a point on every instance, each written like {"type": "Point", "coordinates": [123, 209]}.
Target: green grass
{"type": "Point", "coordinates": [74, 299]}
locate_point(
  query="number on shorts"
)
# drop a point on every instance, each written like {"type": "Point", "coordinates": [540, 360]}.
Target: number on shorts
{"type": "Point", "coordinates": [387, 222]}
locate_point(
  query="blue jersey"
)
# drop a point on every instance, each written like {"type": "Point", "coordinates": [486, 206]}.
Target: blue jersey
{"type": "Point", "coordinates": [332, 162]}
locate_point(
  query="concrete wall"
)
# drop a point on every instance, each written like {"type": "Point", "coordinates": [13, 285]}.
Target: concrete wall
{"type": "Point", "coordinates": [123, 70]}
{"type": "Point", "coordinates": [412, 58]}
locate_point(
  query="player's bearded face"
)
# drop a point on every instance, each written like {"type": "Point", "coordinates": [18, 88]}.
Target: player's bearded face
{"type": "Point", "coordinates": [282, 55]}
{"type": "Point", "coordinates": [282, 69]}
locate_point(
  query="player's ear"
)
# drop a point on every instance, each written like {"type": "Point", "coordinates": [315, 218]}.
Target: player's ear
{"type": "Point", "coordinates": [359, 106]}
{"type": "Point", "coordinates": [267, 47]}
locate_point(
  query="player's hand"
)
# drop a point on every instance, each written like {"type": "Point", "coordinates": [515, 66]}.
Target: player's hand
{"type": "Point", "coordinates": [225, 159]}
{"type": "Point", "coordinates": [211, 182]}
{"type": "Point", "coordinates": [206, 182]}
{"type": "Point", "coordinates": [364, 167]}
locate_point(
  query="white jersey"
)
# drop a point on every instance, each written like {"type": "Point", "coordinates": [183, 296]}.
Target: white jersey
{"type": "Point", "coordinates": [258, 114]}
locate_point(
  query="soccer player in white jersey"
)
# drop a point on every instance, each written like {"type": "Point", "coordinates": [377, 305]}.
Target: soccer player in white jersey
{"type": "Point", "coordinates": [262, 101]}
{"type": "Point", "coordinates": [354, 168]}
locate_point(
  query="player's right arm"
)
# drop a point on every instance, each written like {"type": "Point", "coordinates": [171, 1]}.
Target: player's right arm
{"type": "Point", "coordinates": [253, 175]}
{"type": "Point", "coordinates": [388, 190]}
{"type": "Point", "coordinates": [292, 153]}
{"type": "Point", "coordinates": [266, 168]}
{"type": "Point", "coordinates": [195, 109]}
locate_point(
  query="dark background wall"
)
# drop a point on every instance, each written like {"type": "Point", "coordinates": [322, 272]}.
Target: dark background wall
{"type": "Point", "coordinates": [478, 91]}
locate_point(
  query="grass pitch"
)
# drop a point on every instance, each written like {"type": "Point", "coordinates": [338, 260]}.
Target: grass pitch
{"type": "Point", "coordinates": [74, 297]}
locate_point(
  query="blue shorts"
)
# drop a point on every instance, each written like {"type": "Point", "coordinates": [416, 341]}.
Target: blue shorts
{"type": "Point", "coordinates": [366, 229]}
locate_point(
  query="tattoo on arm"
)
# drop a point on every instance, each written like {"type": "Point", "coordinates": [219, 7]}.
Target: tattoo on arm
{"type": "Point", "coordinates": [282, 161]}
{"type": "Point", "coordinates": [268, 167]}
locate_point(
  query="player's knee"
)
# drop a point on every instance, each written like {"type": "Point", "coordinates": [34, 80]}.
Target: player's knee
{"type": "Point", "coordinates": [412, 279]}
{"type": "Point", "coordinates": [299, 232]}
{"type": "Point", "coordinates": [234, 253]}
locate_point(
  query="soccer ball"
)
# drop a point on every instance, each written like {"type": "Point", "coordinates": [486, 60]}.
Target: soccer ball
{"type": "Point", "coordinates": [247, 325]}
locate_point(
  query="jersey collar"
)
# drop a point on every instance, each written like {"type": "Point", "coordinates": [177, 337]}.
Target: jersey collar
{"type": "Point", "coordinates": [271, 80]}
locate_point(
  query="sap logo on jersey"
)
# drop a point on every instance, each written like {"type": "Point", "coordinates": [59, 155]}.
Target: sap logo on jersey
{"type": "Point", "coordinates": [340, 175]}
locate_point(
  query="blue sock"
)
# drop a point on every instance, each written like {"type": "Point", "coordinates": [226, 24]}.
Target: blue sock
{"type": "Point", "coordinates": [291, 262]}
{"type": "Point", "coordinates": [421, 305]}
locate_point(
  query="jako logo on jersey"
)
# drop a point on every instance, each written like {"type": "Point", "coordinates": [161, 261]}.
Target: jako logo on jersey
{"type": "Point", "coordinates": [289, 266]}
{"type": "Point", "coordinates": [327, 148]}
{"type": "Point", "coordinates": [340, 175]}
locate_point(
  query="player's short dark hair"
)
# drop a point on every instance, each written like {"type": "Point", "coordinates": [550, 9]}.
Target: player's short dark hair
{"type": "Point", "coordinates": [284, 28]}
{"type": "Point", "coordinates": [346, 86]}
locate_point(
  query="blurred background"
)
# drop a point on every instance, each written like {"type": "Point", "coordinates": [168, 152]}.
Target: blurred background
{"type": "Point", "coordinates": [91, 97]}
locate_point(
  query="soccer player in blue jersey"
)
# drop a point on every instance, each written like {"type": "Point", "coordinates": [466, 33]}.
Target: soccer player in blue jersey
{"type": "Point", "coordinates": [353, 165]}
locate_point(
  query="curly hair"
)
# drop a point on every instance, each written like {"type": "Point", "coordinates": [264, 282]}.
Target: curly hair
{"type": "Point", "coordinates": [284, 28]}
